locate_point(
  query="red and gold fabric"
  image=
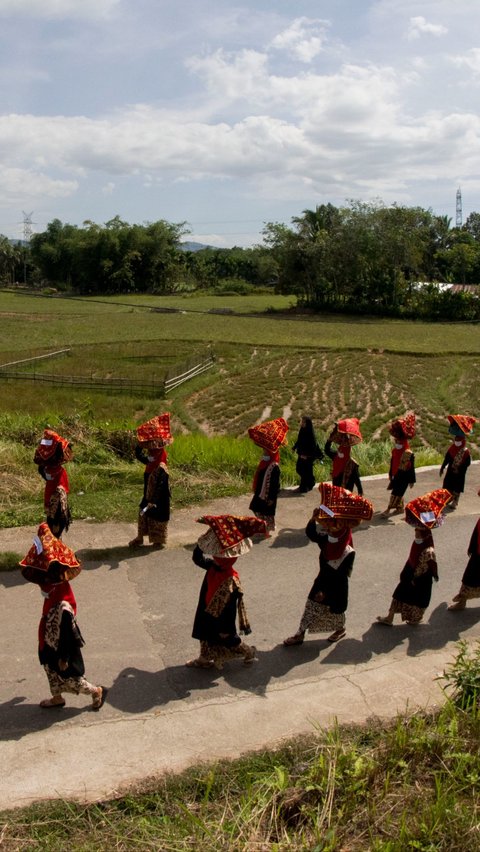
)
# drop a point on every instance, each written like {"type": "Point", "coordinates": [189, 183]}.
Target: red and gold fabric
{"type": "Point", "coordinates": [229, 535]}
{"type": "Point", "coordinates": [157, 429]}
{"type": "Point", "coordinates": [51, 445]}
{"type": "Point", "coordinates": [49, 560]}
{"type": "Point", "coordinates": [427, 510]}
{"type": "Point", "coordinates": [340, 508]}
{"type": "Point", "coordinates": [403, 427]}
{"type": "Point", "coordinates": [270, 435]}
{"type": "Point", "coordinates": [347, 432]}
{"type": "Point", "coordinates": [464, 422]}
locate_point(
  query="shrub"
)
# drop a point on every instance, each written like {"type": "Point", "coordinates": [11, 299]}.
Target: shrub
{"type": "Point", "coordinates": [462, 677]}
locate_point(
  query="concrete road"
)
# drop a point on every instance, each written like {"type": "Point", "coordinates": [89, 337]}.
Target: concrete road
{"type": "Point", "coordinates": [136, 611]}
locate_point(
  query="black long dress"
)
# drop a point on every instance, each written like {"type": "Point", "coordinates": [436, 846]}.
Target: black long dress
{"type": "Point", "coordinates": [327, 599]}
{"type": "Point", "coordinates": [156, 489]}
{"type": "Point", "coordinates": [215, 622]}
{"type": "Point", "coordinates": [218, 629]}
{"type": "Point", "coordinates": [349, 477]}
{"type": "Point", "coordinates": [404, 476]}
{"type": "Point", "coordinates": [154, 509]}
{"type": "Point", "coordinates": [457, 465]}
{"type": "Point", "coordinates": [470, 587]}
{"type": "Point", "coordinates": [412, 594]}
{"type": "Point", "coordinates": [308, 451]}
{"type": "Point", "coordinates": [264, 501]}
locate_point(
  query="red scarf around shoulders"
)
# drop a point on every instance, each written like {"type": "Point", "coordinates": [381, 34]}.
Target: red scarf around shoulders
{"type": "Point", "coordinates": [397, 454]}
{"type": "Point", "coordinates": [339, 462]}
{"type": "Point", "coordinates": [218, 573]}
{"type": "Point", "coordinates": [56, 594]}
{"type": "Point", "coordinates": [59, 477]}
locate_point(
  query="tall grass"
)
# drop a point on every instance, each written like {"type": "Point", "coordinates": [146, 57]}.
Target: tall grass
{"type": "Point", "coordinates": [106, 480]}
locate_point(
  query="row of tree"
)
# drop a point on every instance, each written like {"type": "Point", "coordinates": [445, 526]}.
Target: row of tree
{"type": "Point", "coordinates": [361, 257]}
{"type": "Point", "coordinates": [373, 257]}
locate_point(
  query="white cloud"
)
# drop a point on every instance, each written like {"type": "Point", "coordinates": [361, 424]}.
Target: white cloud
{"type": "Point", "coordinates": [470, 60]}
{"type": "Point", "coordinates": [23, 184]}
{"type": "Point", "coordinates": [304, 39]}
{"type": "Point", "coordinates": [161, 109]}
{"type": "Point", "coordinates": [349, 138]}
{"type": "Point", "coordinates": [420, 26]}
{"type": "Point", "coordinates": [232, 76]}
{"type": "Point", "coordinates": [58, 9]}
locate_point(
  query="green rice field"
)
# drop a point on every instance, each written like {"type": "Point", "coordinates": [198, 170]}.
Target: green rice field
{"type": "Point", "coordinates": [266, 365]}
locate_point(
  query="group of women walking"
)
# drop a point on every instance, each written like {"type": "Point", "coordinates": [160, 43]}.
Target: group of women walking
{"type": "Point", "coordinates": [221, 620]}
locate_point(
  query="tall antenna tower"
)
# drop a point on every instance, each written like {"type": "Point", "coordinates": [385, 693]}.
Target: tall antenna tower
{"type": "Point", "coordinates": [458, 209]}
{"type": "Point", "coordinates": [27, 233]}
{"type": "Point", "coordinates": [27, 226]}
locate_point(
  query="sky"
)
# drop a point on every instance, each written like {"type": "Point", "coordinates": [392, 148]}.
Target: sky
{"type": "Point", "coordinates": [228, 115]}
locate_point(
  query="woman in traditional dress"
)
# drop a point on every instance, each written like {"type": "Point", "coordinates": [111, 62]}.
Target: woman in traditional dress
{"type": "Point", "coordinates": [331, 529]}
{"type": "Point", "coordinates": [345, 469]}
{"type": "Point", "coordinates": [412, 595]}
{"type": "Point", "coordinates": [51, 564]}
{"type": "Point", "coordinates": [470, 587]}
{"type": "Point", "coordinates": [154, 510]}
{"type": "Point", "coordinates": [269, 435]}
{"type": "Point", "coordinates": [221, 594]}
{"type": "Point", "coordinates": [307, 449]}
{"type": "Point", "coordinates": [402, 463]}
{"type": "Point", "coordinates": [457, 459]}
{"type": "Point", "coordinates": [50, 456]}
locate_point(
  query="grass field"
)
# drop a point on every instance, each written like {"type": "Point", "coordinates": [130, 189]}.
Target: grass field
{"type": "Point", "coordinates": [266, 365]}
{"type": "Point", "coordinates": [55, 323]}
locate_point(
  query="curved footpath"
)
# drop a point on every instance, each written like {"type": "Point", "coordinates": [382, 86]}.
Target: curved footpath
{"type": "Point", "coordinates": [136, 610]}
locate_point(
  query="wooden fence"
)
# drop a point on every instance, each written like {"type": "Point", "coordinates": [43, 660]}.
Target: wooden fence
{"type": "Point", "coordinates": [188, 371]}
{"type": "Point", "coordinates": [175, 377]}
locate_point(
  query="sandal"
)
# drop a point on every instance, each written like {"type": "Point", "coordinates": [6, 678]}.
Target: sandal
{"type": "Point", "coordinates": [339, 634]}
{"type": "Point", "coordinates": [296, 639]}
{"type": "Point", "coordinates": [99, 702]}
{"type": "Point", "coordinates": [250, 657]}
{"type": "Point", "coordinates": [48, 703]}
{"type": "Point", "coordinates": [199, 664]}
{"type": "Point", "coordinates": [457, 605]}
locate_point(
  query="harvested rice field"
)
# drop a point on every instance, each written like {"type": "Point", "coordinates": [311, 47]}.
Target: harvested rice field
{"type": "Point", "coordinates": [327, 386]}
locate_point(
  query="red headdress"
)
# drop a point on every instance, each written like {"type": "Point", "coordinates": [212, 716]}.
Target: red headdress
{"type": "Point", "coordinates": [347, 432]}
{"type": "Point", "coordinates": [463, 422]}
{"type": "Point", "coordinates": [52, 449]}
{"type": "Point", "coordinates": [270, 435]}
{"type": "Point", "coordinates": [404, 427]}
{"type": "Point", "coordinates": [340, 508]}
{"type": "Point", "coordinates": [49, 560]}
{"type": "Point", "coordinates": [229, 535]}
{"type": "Point", "coordinates": [157, 429]}
{"type": "Point", "coordinates": [427, 510]}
